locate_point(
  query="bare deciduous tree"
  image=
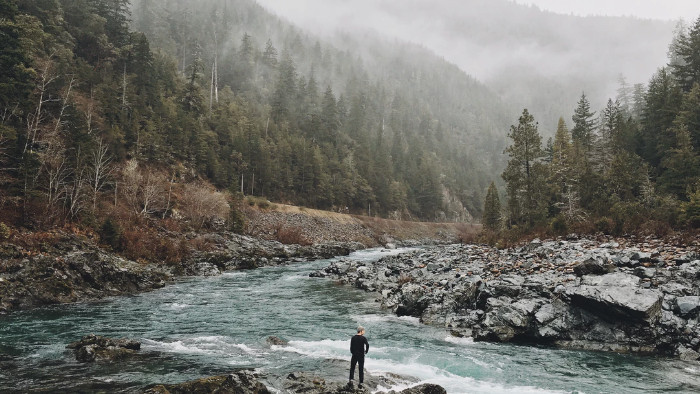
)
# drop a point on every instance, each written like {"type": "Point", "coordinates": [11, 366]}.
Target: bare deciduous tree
{"type": "Point", "coordinates": [100, 169]}
{"type": "Point", "coordinates": [54, 171]}
{"type": "Point", "coordinates": [201, 204]}
{"type": "Point", "coordinates": [37, 117]}
{"type": "Point", "coordinates": [75, 189]}
{"type": "Point", "coordinates": [145, 190]}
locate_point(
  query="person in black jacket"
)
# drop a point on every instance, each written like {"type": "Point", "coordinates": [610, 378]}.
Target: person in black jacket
{"type": "Point", "coordinates": [358, 347]}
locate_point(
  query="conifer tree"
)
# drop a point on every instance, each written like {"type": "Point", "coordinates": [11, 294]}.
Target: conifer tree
{"type": "Point", "coordinates": [662, 102]}
{"type": "Point", "coordinates": [492, 209]}
{"type": "Point", "coordinates": [15, 75]}
{"type": "Point", "coordinates": [561, 157]}
{"type": "Point", "coordinates": [525, 174]}
{"type": "Point", "coordinates": [686, 67]}
{"type": "Point", "coordinates": [584, 124]}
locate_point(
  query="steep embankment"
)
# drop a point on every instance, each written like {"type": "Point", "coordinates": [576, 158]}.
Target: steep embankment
{"type": "Point", "coordinates": [625, 295]}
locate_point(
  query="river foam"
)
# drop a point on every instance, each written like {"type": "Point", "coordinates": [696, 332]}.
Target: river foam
{"type": "Point", "coordinates": [202, 345]}
{"type": "Point", "coordinates": [381, 361]}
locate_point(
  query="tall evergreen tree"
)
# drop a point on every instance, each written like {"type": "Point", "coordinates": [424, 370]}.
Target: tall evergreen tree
{"type": "Point", "coordinates": [525, 173]}
{"type": "Point", "coordinates": [662, 102]}
{"type": "Point", "coordinates": [584, 124]}
{"type": "Point", "coordinates": [686, 68]}
{"type": "Point", "coordinates": [15, 74]}
{"type": "Point", "coordinates": [492, 209]}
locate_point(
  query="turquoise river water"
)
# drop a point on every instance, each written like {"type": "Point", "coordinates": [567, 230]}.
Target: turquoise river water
{"type": "Point", "coordinates": [211, 325]}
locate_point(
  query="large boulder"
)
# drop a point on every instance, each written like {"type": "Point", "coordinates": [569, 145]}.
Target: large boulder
{"type": "Point", "coordinates": [94, 347]}
{"type": "Point", "coordinates": [412, 301]}
{"type": "Point", "coordinates": [614, 298]}
{"type": "Point", "coordinates": [687, 306]}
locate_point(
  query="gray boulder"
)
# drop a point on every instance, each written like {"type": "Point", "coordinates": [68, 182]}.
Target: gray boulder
{"type": "Point", "coordinates": [688, 305]}
{"type": "Point", "coordinates": [614, 303]}
{"type": "Point", "coordinates": [594, 266]}
{"type": "Point", "coordinates": [94, 347]}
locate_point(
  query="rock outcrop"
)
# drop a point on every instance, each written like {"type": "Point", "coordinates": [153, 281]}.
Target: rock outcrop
{"type": "Point", "coordinates": [239, 382]}
{"type": "Point", "coordinates": [74, 269]}
{"type": "Point", "coordinates": [86, 273]}
{"type": "Point", "coordinates": [98, 348]}
{"type": "Point", "coordinates": [643, 296]}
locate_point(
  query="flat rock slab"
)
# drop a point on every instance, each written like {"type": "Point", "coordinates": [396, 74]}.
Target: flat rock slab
{"type": "Point", "coordinates": [614, 303]}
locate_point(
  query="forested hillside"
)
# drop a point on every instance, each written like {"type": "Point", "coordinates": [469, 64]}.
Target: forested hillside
{"type": "Point", "coordinates": [102, 92]}
{"type": "Point", "coordinates": [634, 167]}
{"type": "Point", "coordinates": [529, 56]}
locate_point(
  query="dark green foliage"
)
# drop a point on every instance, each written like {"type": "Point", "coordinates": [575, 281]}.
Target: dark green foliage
{"type": "Point", "coordinates": [492, 209]}
{"type": "Point", "coordinates": [691, 209]}
{"type": "Point", "coordinates": [525, 174]}
{"type": "Point", "coordinates": [584, 124]}
{"type": "Point", "coordinates": [111, 234]}
{"type": "Point", "coordinates": [558, 225]}
{"type": "Point", "coordinates": [15, 73]}
{"type": "Point", "coordinates": [236, 219]}
{"type": "Point", "coordinates": [687, 52]}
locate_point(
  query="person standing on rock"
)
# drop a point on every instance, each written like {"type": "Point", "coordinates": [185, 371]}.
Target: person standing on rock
{"type": "Point", "coordinates": [358, 347]}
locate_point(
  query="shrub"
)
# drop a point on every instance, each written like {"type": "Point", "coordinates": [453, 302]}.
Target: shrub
{"type": "Point", "coordinates": [691, 209]}
{"type": "Point", "coordinates": [604, 225]}
{"type": "Point", "coordinates": [202, 205]}
{"type": "Point", "coordinates": [236, 220]}
{"type": "Point", "coordinates": [260, 202]}
{"type": "Point", "coordinates": [292, 235]}
{"type": "Point", "coordinates": [111, 233]}
{"type": "Point", "coordinates": [4, 231]}
{"type": "Point", "coordinates": [558, 225]}
{"type": "Point", "coordinates": [404, 278]}
{"type": "Point", "coordinates": [264, 204]}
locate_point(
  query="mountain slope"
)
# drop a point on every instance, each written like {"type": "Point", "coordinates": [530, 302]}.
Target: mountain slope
{"type": "Point", "coordinates": [416, 135]}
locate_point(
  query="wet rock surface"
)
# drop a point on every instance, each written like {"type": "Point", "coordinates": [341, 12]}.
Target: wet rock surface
{"type": "Point", "coordinates": [76, 272]}
{"type": "Point", "coordinates": [98, 348]}
{"type": "Point", "coordinates": [629, 295]}
{"type": "Point", "coordinates": [75, 269]}
{"type": "Point", "coordinates": [239, 382]}
{"type": "Point", "coordinates": [335, 381]}
{"type": "Point", "coordinates": [250, 382]}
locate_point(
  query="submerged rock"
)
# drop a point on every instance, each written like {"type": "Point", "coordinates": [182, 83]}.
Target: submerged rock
{"type": "Point", "coordinates": [273, 340]}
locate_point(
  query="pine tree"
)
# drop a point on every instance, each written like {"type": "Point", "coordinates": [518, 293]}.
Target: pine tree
{"type": "Point", "coordinates": [561, 156]}
{"type": "Point", "coordinates": [681, 165]}
{"type": "Point", "coordinates": [269, 56]}
{"type": "Point", "coordinates": [584, 124]}
{"type": "Point", "coordinates": [525, 174]}
{"type": "Point", "coordinates": [15, 74]}
{"type": "Point", "coordinates": [662, 102]}
{"type": "Point", "coordinates": [686, 67]}
{"type": "Point", "coordinates": [492, 209]}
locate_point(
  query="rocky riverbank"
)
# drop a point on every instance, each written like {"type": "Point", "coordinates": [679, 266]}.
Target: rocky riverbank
{"type": "Point", "coordinates": [70, 268]}
{"type": "Point", "coordinates": [630, 295]}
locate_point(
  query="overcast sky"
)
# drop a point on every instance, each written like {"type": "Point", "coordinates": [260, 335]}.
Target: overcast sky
{"type": "Point", "coordinates": [653, 9]}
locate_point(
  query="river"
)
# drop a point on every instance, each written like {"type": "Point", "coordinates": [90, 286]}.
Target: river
{"type": "Point", "coordinates": [210, 325]}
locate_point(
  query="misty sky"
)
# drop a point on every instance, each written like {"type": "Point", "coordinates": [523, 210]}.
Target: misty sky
{"type": "Point", "coordinates": [653, 9]}
{"type": "Point", "coordinates": [556, 49]}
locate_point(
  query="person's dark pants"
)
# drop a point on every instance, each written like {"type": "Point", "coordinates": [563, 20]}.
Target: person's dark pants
{"type": "Point", "coordinates": [357, 360]}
